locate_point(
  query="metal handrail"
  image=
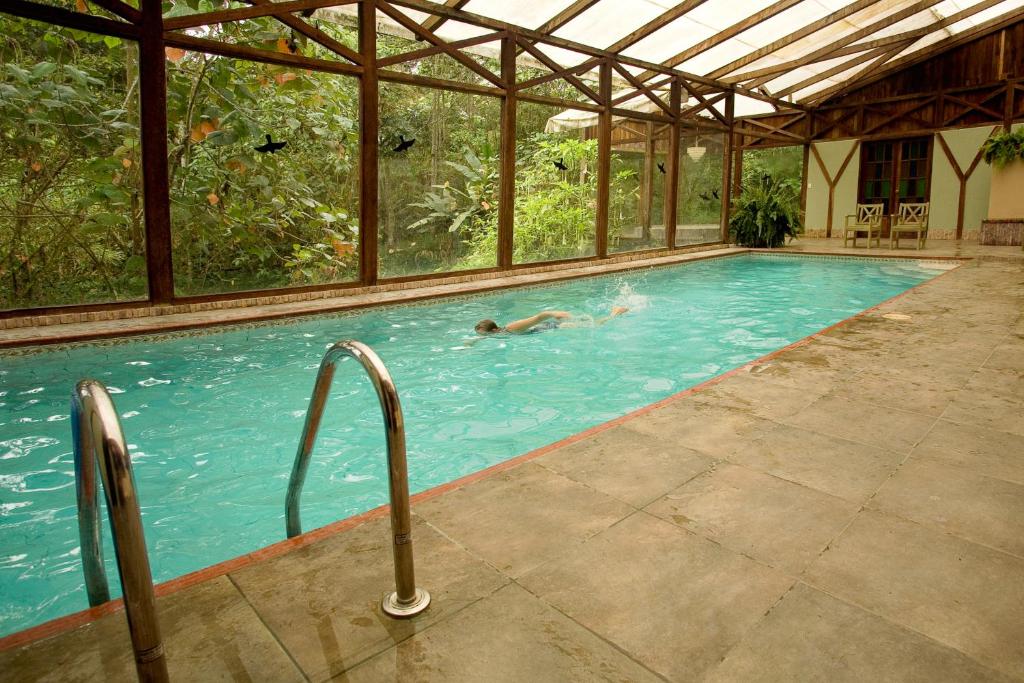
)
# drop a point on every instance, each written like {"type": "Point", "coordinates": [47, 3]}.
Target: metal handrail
{"type": "Point", "coordinates": [407, 600]}
{"type": "Point", "coordinates": [95, 428]}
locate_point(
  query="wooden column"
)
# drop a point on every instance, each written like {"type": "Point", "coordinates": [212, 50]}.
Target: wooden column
{"type": "Point", "coordinates": [672, 191]}
{"type": "Point", "coordinates": [155, 191]}
{"type": "Point", "coordinates": [604, 157]}
{"type": "Point", "coordinates": [507, 177]}
{"type": "Point", "coordinates": [803, 183]}
{"type": "Point", "coordinates": [369, 133]}
{"type": "Point", "coordinates": [647, 185]}
{"type": "Point", "coordinates": [737, 169]}
{"type": "Point", "coordinates": [727, 167]}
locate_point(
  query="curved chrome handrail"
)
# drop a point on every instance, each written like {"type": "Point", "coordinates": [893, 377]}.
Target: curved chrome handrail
{"type": "Point", "coordinates": [95, 428]}
{"type": "Point", "coordinates": [407, 600]}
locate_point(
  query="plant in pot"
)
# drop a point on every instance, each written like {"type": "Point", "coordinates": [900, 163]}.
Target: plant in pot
{"type": "Point", "coordinates": [1005, 223]}
{"type": "Point", "coordinates": [766, 213]}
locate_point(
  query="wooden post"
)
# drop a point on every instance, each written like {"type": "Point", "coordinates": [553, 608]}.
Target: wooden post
{"type": "Point", "coordinates": [672, 190]}
{"type": "Point", "coordinates": [604, 157]}
{"type": "Point", "coordinates": [369, 138]}
{"type": "Point", "coordinates": [647, 183]}
{"type": "Point", "coordinates": [155, 190]}
{"type": "Point", "coordinates": [507, 176]}
{"type": "Point", "coordinates": [737, 169]}
{"type": "Point", "coordinates": [730, 101]}
{"type": "Point", "coordinates": [803, 183]}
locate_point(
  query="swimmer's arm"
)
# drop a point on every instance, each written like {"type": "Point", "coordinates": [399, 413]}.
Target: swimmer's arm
{"type": "Point", "coordinates": [618, 310]}
{"type": "Point", "coordinates": [523, 325]}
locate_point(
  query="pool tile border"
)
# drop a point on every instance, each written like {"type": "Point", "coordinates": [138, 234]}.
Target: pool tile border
{"type": "Point", "coordinates": [68, 622]}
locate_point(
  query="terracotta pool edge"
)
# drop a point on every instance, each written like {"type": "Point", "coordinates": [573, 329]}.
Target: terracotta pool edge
{"type": "Point", "coordinates": [74, 620]}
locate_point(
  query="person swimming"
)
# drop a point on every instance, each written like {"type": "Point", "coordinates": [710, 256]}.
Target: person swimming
{"type": "Point", "coordinates": [545, 320]}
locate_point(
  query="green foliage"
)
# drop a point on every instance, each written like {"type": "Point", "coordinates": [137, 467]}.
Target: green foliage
{"type": "Point", "coordinates": [766, 213]}
{"type": "Point", "coordinates": [1003, 148]}
{"type": "Point", "coordinates": [70, 202]}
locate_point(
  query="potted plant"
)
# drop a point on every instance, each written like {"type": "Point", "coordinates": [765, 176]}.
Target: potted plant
{"type": "Point", "coordinates": [766, 213]}
{"type": "Point", "coordinates": [1005, 224]}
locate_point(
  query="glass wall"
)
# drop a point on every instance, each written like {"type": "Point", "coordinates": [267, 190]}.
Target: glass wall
{"type": "Point", "coordinates": [264, 174]}
{"type": "Point", "coordinates": [556, 184]}
{"type": "Point", "coordinates": [638, 178]}
{"type": "Point", "coordinates": [699, 203]}
{"type": "Point", "coordinates": [71, 215]}
{"type": "Point", "coordinates": [438, 179]}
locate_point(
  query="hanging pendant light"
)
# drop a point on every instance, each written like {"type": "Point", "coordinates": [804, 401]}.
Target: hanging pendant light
{"type": "Point", "coordinates": [696, 152]}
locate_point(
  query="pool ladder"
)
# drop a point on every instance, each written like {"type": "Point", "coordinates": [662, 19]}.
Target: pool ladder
{"type": "Point", "coordinates": [96, 429]}
{"type": "Point", "coordinates": [407, 600]}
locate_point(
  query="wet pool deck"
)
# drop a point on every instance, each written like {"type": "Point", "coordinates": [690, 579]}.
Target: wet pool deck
{"type": "Point", "coordinates": [849, 509]}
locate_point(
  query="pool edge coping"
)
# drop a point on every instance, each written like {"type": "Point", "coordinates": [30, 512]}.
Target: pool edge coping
{"type": "Point", "coordinates": [68, 622]}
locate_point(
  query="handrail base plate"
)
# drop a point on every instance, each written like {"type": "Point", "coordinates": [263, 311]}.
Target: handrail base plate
{"type": "Point", "coordinates": [397, 610]}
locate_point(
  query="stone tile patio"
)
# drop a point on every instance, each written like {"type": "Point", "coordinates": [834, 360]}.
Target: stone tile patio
{"type": "Point", "coordinates": [847, 510]}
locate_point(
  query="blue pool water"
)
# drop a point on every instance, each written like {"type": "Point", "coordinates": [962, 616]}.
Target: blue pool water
{"type": "Point", "coordinates": [213, 420]}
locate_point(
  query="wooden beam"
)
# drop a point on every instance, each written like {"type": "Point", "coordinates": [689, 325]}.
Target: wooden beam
{"type": "Point", "coordinates": [76, 20]}
{"type": "Point", "coordinates": [369, 135]}
{"type": "Point", "coordinates": [566, 15]}
{"type": "Point", "coordinates": [556, 67]}
{"type": "Point", "coordinates": [727, 169]}
{"type": "Point", "coordinates": [120, 9]}
{"type": "Point", "coordinates": [313, 33]}
{"type": "Point", "coordinates": [824, 52]}
{"type": "Point", "coordinates": [793, 37]}
{"type": "Point", "coordinates": [604, 159]}
{"type": "Point", "coordinates": [554, 76]}
{"type": "Point", "coordinates": [213, 47]}
{"type": "Point", "coordinates": [432, 38]}
{"type": "Point", "coordinates": [832, 182]}
{"type": "Point", "coordinates": [507, 158]}
{"type": "Point", "coordinates": [963, 176]}
{"type": "Point", "coordinates": [252, 12]}
{"type": "Point", "coordinates": [155, 178]}
{"type": "Point", "coordinates": [642, 88]}
{"type": "Point", "coordinates": [434, 21]}
{"type": "Point", "coordinates": [437, 49]}
{"type": "Point", "coordinates": [672, 190]}
{"type": "Point", "coordinates": [979, 31]}
{"type": "Point", "coordinates": [655, 24]}
{"type": "Point", "coordinates": [438, 83]}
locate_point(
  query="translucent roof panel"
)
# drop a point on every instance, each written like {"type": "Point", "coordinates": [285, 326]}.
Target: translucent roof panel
{"type": "Point", "coordinates": [720, 38]}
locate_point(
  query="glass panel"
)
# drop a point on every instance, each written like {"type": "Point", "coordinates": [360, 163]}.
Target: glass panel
{"type": "Point", "coordinates": [633, 222]}
{"type": "Point", "coordinates": [556, 185]}
{"type": "Point", "coordinates": [439, 196]}
{"type": "Point", "coordinates": [699, 204]}
{"type": "Point", "coordinates": [71, 219]}
{"type": "Point", "coordinates": [264, 175]}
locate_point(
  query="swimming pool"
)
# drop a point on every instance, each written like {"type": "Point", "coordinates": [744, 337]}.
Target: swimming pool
{"type": "Point", "coordinates": [213, 420]}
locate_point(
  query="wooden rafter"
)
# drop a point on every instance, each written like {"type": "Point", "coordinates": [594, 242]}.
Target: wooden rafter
{"type": "Point", "coordinates": [566, 15]}
{"type": "Point", "coordinates": [121, 9]}
{"type": "Point", "coordinates": [705, 103]}
{"type": "Point", "coordinates": [77, 20]}
{"type": "Point", "coordinates": [757, 76]}
{"type": "Point", "coordinates": [313, 33]}
{"type": "Point", "coordinates": [434, 21]}
{"type": "Point", "coordinates": [972, 107]}
{"type": "Point", "coordinates": [432, 38]}
{"type": "Point", "coordinates": [871, 56]}
{"type": "Point", "coordinates": [558, 68]}
{"type": "Point", "coordinates": [799, 34]}
{"type": "Point", "coordinates": [747, 23]}
{"type": "Point", "coordinates": [251, 12]}
{"type": "Point", "coordinates": [214, 47]}
{"type": "Point", "coordinates": [655, 24]}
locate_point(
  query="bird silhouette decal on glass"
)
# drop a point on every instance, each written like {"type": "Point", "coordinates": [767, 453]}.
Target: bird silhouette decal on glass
{"type": "Point", "coordinates": [270, 146]}
{"type": "Point", "coordinates": [560, 164]}
{"type": "Point", "coordinates": [714, 193]}
{"type": "Point", "coordinates": [404, 144]}
{"type": "Point", "coordinates": [704, 196]}
{"type": "Point", "coordinates": [661, 167]}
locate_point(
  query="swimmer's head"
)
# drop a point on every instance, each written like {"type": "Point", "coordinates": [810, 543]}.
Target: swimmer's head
{"type": "Point", "coordinates": [486, 326]}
